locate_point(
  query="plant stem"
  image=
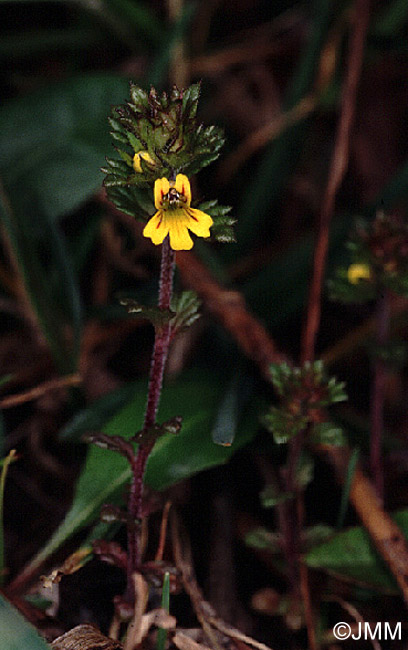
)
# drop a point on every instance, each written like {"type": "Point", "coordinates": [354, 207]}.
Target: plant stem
{"type": "Point", "coordinates": [159, 357]}
{"type": "Point", "coordinates": [292, 523]}
{"type": "Point", "coordinates": [378, 393]}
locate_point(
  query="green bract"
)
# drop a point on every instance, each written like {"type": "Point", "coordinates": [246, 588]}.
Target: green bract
{"type": "Point", "coordinates": [305, 394]}
{"type": "Point", "coordinates": [164, 129]}
{"type": "Point", "coordinates": [382, 246]}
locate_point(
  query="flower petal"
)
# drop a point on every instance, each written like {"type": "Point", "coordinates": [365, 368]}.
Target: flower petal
{"type": "Point", "coordinates": [157, 228]}
{"type": "Point", "coordinates": [199, 222]}
{"type": "Point", "coordinates": [136, 160]}
{"type": "Point", "coordinates": [161, 187]}
{"type": "Point", "coordinates": [180, 240]}
{"type": "Point", "coordinates": [182, 186]}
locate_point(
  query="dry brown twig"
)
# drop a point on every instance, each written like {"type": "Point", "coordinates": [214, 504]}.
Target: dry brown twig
{"type": "Point", "coordinates": [259, 138]}
{"type": "Point", "coordinates": [230, 308]}
{"type": "Point", "coordinates": [203, 610]}
{"type": "Point", "coordinates": [40, 390]}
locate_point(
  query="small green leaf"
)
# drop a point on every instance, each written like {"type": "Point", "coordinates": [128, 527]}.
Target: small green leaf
{"type": "Point", "coordinates": [350, 554]}
{"type": "Point", "coordinates": [271, 497]}
{"type": "Point", "coordinates": [158, 317]}
{"type": "Point", "coordinates": [185, 306]}
{"type": "Point", "coordinates": [263, 539]}
{"type": "Point", "coordinates": [327, 433]}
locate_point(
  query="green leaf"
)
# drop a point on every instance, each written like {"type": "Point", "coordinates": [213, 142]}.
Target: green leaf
{"type": "Point", "coordinates": [327, 433]}
{"type": "Point", "coordinates": [56, 303]}
{"type": "Point", "coordinates": [97, 414]}
{"type": "Point", "coordinates": [165, 603]}
{"type": "Point", "coordinates": [16, 632]}
{"type": "Point", "coordinates": [54, 141]}
{"type": "Point", "coordinates": [271, 497]}
{"type": "Point", "coordinates": [350, 554]}
{"type": "Point", "coordinates": [265, 540]}
{"type": "Point", "coordinates": [158, 317]}
{"type": "Point", "coordinates": [185, 307]}
{"type": "Point", "coordinates": [195, 398]}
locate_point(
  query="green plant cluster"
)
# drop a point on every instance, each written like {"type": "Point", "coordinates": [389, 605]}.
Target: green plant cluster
{"type": "Point", "coordinates": [165, 127]}
{"type": "Point", "coordinates": [381, 245]}
{"type": "Point", "coordinates": [305, 394]}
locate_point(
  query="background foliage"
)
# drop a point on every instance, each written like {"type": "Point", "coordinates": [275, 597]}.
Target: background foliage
{"type": "Point", "coordinates": [271, 76]}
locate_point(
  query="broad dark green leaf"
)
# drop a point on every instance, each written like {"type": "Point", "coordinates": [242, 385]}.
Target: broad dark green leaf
{"type": "Point", "coordinates": [48, 277]}
{"type": "Point", "coordinates": [105, 474]}
{"type": "Point", "coordinates": [54, 141]}
{"type": "Point", "coordinates": [16, 632]}
{"type": "Point", "coordinates": [351, 555]}
{"type": "Point", "coordinates": [95, 416]}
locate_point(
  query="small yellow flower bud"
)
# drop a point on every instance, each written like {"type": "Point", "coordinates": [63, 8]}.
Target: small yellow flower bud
{"type": "Point", "coordinates": [136, 160]}
{"type": "Point", "coordinates": [357, 272]}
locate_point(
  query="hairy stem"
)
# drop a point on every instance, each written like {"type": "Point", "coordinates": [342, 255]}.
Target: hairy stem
{"type": "Point", "coordinates": [378, 393]}
{"type": "Point", "coordinates": [159, 357]}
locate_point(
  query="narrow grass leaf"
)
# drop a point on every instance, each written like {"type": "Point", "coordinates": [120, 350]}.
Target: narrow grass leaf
{"type": "Point", "coordinates": [165, 603]}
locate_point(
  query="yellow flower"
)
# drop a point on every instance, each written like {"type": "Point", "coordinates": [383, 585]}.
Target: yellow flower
{"type": "Point", "coordinates": [136, 160]}
{"type": "Point", "coordinates": [357, 272]}
{"type": "Point", "coordinates": [174, 217]}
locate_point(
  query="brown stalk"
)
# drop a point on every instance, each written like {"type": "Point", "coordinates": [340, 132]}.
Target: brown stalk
{"type": "Point", "coordinates": [230, 308]}
{"type": "Point", "coordinates": [256, 343]}
{"type": "Point", "coordinates": [263, 135]}
{"type": "Point", "coordinates": [40, 390]}
{"type": "Point", "coordinates": [337, 171]}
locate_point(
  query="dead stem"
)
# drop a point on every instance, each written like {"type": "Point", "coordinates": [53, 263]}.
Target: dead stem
{"type": "Point", "coordinates": [163, 532]}
{"type": "Point", "coordinates": [337, 170]}
{"type": "Point", "coordinates": [38, 391]}
{"type": "Point", "coordinates": [204, 611]}
{"type": "Point", "coordinates": [262, 136]}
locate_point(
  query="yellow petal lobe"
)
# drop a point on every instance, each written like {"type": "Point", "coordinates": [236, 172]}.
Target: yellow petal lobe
{"type": "Point", "coordinates": [161, 188]}
{"type": "Point", "coordinates": [156, 228]}
{"type": "Point", "coordinates": [182, 185]}
{"type": "Point", "coordinates": [357, 272]}
{"type": "Point", "coordinates": [199, 222]}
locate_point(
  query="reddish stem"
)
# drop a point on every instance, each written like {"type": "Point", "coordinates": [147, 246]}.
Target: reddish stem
{"type": "Point", "coordinates": [159, 357]}
{"type": "Point", "coordinates": [338, 167]}
{"type": "Point", "coordinates": [378, 394]}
